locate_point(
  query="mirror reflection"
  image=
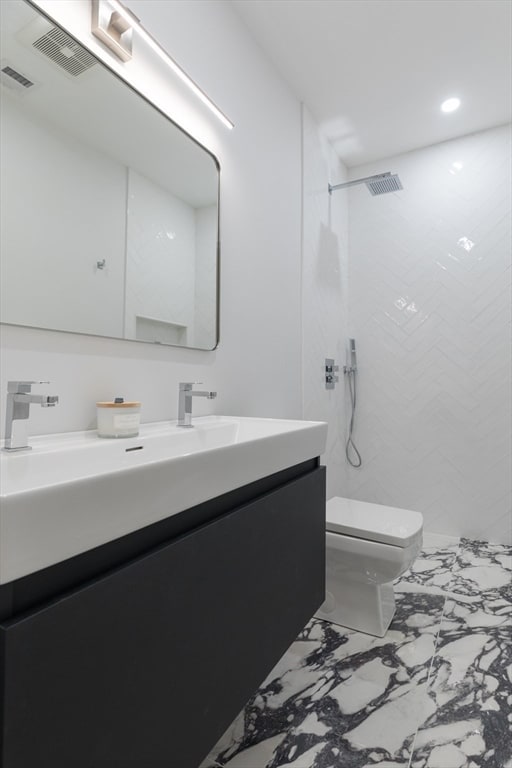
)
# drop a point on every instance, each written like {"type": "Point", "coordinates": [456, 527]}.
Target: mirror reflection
{"type": "Point", "coordinates": [109, 211]}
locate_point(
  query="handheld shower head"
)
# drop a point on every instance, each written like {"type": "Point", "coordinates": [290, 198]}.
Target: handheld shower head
{"type": "Point", "coordinates": [352, 351]}
{"type": "Point", "coordinates": [350, 371]}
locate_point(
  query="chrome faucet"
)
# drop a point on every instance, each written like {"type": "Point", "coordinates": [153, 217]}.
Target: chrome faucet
{"type": "Point", "coordinates": [185, 402]}
{"type": "Point", "coordinates": [19, 397]}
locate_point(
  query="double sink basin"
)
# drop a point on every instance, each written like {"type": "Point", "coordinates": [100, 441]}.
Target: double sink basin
{"type": "Point", "coordinates": [74, 491]}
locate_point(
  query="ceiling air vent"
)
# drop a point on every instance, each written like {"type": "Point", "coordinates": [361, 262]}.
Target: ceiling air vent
{"type": "Point", "coordinates": [64, 51]}
{"type": "Point", "coordinates": [19, 79]}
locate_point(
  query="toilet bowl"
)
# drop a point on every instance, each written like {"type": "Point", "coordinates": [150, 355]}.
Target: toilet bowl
{"type": "Point", "coordinates": [368, 546]}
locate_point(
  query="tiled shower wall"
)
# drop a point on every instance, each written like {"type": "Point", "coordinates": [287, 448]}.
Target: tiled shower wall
{"type": "Point", "coordinates": [430, 307]}
{"type": "Point", "coordinates": [324, 293]}
{"type": "Point", "coordinates": [205, 304]}
{"type": "Point", "coordinates": [171, 266]}
{"type": "Point", "coordinates": [160, 259]}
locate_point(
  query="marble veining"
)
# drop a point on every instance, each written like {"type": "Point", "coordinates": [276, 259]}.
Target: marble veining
{"type": "Point", "coordinates": [435, 692]}
{"type": "Point", "coordinates": [470, 682]}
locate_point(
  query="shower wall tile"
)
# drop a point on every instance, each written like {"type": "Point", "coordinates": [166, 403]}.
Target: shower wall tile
{"type": "Point", "coordinates": [160, 258]}
{"type": "Point", "coordinates": [205, 298]}
{"type": "Point", "coordinates": [430, 308]}
{"type": "Point", "coordinates": [324, 293]}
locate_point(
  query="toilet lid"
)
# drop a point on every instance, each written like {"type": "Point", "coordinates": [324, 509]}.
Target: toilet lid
{"type": "Point", "coordinates": [388, 525]}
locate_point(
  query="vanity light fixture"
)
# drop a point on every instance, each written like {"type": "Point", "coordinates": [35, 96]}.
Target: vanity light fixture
{"type": "Point", "coordinates": [112, 28]}
{"type": "Point", "coordinates": [117, 22]}
{"type": "Point", "coordinates": [450, 105]}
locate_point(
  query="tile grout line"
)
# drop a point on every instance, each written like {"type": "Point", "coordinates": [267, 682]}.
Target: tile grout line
{"type": "Point", "coordinates": [440, 624]}
{"type": "Point", "coordinates": [433, 657]}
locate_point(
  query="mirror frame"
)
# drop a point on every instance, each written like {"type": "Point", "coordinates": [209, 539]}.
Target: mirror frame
{"type": "Point", "coordinates": [185, 133]}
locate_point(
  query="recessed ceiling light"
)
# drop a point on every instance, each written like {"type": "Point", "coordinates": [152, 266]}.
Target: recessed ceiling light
{"type": "Point", "coordinates": [450, 105]}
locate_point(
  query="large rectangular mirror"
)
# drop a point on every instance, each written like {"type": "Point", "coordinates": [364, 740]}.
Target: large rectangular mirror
{"type": "Point", "coordinates": [109, 217]}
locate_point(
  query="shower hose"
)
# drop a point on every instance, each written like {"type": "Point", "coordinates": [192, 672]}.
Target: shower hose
{"type": "Point", "coordinates": [351, 452]}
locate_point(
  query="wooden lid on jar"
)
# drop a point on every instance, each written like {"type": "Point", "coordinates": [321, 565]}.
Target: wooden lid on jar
{"type": "Point", "coordinates": [119, 403]}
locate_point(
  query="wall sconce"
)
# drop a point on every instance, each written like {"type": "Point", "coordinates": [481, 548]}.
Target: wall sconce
{"type": "Point", "coordinates": [114, 25]}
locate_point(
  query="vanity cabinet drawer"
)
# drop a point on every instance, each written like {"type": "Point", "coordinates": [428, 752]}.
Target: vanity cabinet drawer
{"type": "Point", "coordinates": [146, 666]}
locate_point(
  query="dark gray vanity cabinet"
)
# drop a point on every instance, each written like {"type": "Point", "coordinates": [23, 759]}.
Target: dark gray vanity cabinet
{"type": "Point", "coordinates": [140, 653]}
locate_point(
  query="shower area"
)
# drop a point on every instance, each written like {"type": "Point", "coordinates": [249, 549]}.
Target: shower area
{"type": "Point", "coordinates": [415, 266]}
{"type": "Point", "coordinates": [408, 292]}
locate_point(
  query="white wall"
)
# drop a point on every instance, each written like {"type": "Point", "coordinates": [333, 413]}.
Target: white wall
{"type": "Point", "coordinates": [430, 309]}
{"type": "Point", "coordinates": [46, 246]}
{"type": "Point", "coordinates": [256, 369]}
{"type": "Point", "coordinates": [325, 294]}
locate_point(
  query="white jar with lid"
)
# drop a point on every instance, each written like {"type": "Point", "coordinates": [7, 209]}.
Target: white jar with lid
{"type": "Point", "coordinates": [118, 418]}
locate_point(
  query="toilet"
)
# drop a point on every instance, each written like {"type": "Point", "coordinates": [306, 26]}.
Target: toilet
{"type": "Point", "coordinates": [368, 546]}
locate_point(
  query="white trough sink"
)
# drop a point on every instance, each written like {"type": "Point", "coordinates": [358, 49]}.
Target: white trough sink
{"type": "Point", "coordinates": [75, 491]}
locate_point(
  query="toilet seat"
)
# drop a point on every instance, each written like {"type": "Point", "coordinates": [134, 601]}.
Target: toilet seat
{"type": "Point", "coordinates": [372, 522]}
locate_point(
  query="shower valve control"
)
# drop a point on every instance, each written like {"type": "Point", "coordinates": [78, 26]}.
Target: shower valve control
{"type": "Point", "coordinates": [330, 373]}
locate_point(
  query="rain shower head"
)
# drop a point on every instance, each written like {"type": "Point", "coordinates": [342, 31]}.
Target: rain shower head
{"type": "Point", "coordinates": [379, 184]}
{"type": "Point", "coordinates": [386, 182]}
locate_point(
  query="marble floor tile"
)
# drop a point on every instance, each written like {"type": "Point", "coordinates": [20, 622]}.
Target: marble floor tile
{"type": "Point", "coordinates": [340, 697]}
{"type": "Point", "coordinates": [471, 677]}
{"type": "Point", "coordinates": [485, 553]}
{"type": "Point", "coordinates": [435, 692]}
{"type": "Point", "coordinates": [432, 569]}
{"type": "Point", "coordinates": [470, 686]}
{"type": "Point", "coordinates": [482, 571]}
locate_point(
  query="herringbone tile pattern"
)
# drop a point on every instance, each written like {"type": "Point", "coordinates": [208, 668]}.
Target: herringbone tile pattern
{"type": "Point", "coordinates": [430, 306]}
